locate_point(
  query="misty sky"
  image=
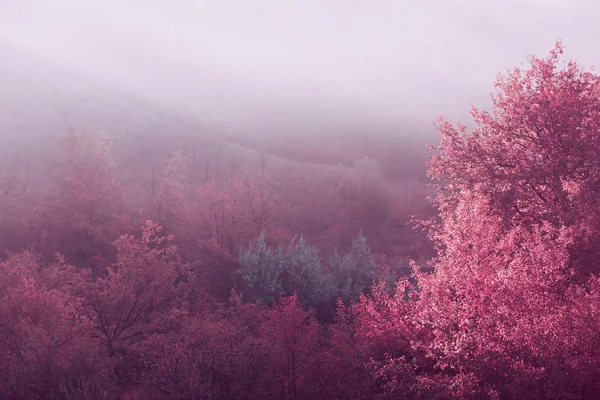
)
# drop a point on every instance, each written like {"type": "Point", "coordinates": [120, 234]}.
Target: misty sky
{"type": "Point", "coordinates": [234, 60]}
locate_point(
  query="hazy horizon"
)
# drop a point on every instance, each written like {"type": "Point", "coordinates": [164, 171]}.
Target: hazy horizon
{"type": "Point", "coordinates": [234, 63]}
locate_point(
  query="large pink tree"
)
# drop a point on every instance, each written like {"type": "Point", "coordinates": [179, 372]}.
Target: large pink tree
{"type": "Point", "coordinates": [507, 312]}
{"type": "Point", "coordinates": [534, 157]}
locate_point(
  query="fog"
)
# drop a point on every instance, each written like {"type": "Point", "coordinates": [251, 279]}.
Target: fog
{"type": "Point", "coordinates": [236, 63]}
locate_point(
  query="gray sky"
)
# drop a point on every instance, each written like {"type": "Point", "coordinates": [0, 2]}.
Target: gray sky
{"type": "Point", "coordinates": [230, 60]}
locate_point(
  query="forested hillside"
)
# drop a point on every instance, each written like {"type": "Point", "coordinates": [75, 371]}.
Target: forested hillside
{"type": "Point", "coordinates": [185, 264]}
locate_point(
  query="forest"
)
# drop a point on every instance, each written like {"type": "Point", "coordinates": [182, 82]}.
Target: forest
{"type": "Point", "coordinates": [163, 267]}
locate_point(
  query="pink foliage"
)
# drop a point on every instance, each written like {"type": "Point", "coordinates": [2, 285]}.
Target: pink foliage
{"type": "Point", "coordinates": [42, 336]}
{"type": "Point", "coordinates": [505, 314]}
{"type": "Point", "coordinates": [212, 356]}
{"type": "Point", "coordinates": [239, 212]}
{"type": "Point", "coordinates": [293, 335]}
{"type": "Point", "coordinates": [139, 292]}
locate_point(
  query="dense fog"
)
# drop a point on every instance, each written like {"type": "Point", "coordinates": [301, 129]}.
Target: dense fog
{"type": "Point", "coordinates": [231, 62]}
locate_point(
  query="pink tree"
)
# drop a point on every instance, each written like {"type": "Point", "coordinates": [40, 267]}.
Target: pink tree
{"type": "Point", "coordinates": [84, 203]}
{"type": "Point", "coordinates": [526, 179]}
{"type": "Point", "coordinates": [294, 338]}
{"type": "Point", "coordinates": [238, 212]}
{"type": "Point", "coordinates": [215, 355]}
{"type": "Point", "coordinates": [506, 313]}
{"type": "Point", "coordinates": [138, 295]}
{"type": "Point", "coordinates": [229, 218]}
{"type": "Point", "coordinates": [170, 197]}
{"type": "Point", "coordinates": [534, 157]}
{"type": "Point", "coordinates": [43, 338]}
